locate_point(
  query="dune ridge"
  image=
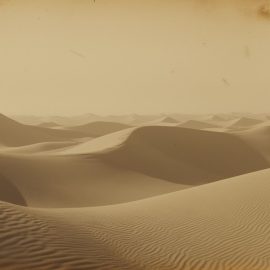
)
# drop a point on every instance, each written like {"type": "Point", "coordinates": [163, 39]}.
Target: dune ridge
{"type": "Point", "coordinates": [100, 128]}
{"type": "Point", "coordinates": [176, 154]}
{"type": "Point", "coordinates": [16, 134]}
{"type": "Point", "coordinates": [195, 124]}
{"type": "Point", "coordinates": [245, 122]}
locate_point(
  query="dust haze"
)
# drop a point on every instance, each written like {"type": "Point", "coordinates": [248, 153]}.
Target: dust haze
{"type": "Point", "coordinates": [68, 57]}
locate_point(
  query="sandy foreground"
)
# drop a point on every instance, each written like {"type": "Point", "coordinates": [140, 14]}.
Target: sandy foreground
{"type": "Point", "coordinates": [163, 194]}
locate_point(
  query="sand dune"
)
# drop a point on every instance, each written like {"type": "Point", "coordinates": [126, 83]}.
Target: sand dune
{"type": "Point", "coordinates": [259, 138]}
{"type": "Point", "coordinates": [77, 181]}
{"type": "Point", "coordinates": [168, 119]}
{"type": "Point", "coordinates": [223, 225]}
{"type": "Point", "coordinates": [180, 155]}
{"type": "Point", "coordinates": [49, 125]}
{"type": "Point", "coordinates": [219, 118]}
{"type": "Point", "coordinates": [60, 120]}
{"type": "Point", "coordinates": [16, 134]}
{"type": "Point", "coordinates": [245, 122]}
{"type": "Point", "coordinates": [96, 129]}
{"type": "Point", "coordinates": [9, 192]}
{"type": "Point", "coordinates": [194, 124]}
{"type": "Point", "coordinates": [40, 148]}
{"type": "Point", "coordinates": [126, 165]}
{"type": "Point", "coordinates": [165, 120]}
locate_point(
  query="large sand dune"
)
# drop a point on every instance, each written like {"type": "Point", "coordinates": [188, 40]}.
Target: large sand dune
{"type": "Point", "coordinates": [180, 155]}
{"type": "Point", "coordinates": [52, 181]}
{"type": "Point", "coordinates": [223, 225]}
{"type": "Point", "coordinates": [127, 165]}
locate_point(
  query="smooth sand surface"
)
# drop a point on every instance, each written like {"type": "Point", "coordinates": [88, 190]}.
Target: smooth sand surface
{"type": "Point", "coordinates": [52, 181]}
{"type": "Point", "coordinates": [49, 125]}
{"type": "Point", "coordinates": [179, 155]}
{"type": "Point", "coordinates": [223, 225]}
{"type": "Point", "coordinates": [138, 198]}
{"type": "Point", "coordinates": [195, 124]}
{"type": "Point", "coordinates": [16, 134]}
{"type": "Point", "coordinates": [128, 165]}
{"type": "Point", "coordinates": [165, 120]}
{"type": "Point", "coordinates": [96, 129]}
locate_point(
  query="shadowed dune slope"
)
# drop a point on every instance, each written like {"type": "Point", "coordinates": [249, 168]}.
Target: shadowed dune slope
{"type": "Point", "coordinates": [100, 128]}
{"type": "Point", "coordinates": [259, 138]}
{"type": "Point", "coordinates": [218, 226]}
{"type": "Point", "coordinates": [16, 134]}
{"type": "Point", "coordinates": [180, 155]}
{"type": "Point", "coordinates": [9, 192]}
{"type": "Point", "coordinates": [64, 181]}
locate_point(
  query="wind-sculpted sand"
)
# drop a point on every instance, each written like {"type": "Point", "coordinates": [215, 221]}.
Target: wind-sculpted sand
{"type": "Point", "coordinates": [152, 197]}
{"type": "Point", "coordinates": [223, 225]}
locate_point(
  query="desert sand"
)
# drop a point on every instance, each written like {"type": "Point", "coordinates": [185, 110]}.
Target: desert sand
{"type": "Point", "coordinates": [169, 194]}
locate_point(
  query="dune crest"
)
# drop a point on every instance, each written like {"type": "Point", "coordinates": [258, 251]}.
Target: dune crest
{"type": "Point", "coordinates": [101, 128]}
{"type": "Point", "coordinates": [17, 134]}
{"type": "Point", "coordinates": [176, 154]}
{"type": "Point", "coordinates": [194, 124]}
{"type": "Point", "coordinates": [246, 122]}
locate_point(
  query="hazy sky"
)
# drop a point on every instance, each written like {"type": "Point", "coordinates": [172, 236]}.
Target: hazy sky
{"type": "Point", "coordinates": [112, 56]}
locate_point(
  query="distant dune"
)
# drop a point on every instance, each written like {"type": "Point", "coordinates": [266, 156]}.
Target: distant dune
{"type": "Point", "coordinates": [194, 124]}
{"type": "Point", "coordinates": [16, 134]}
{"type": "Point", "coordinates": [161, 121]}
{"type": "Point", "coordinates": [219, 118]}
{"type": "Point", "coordinates": [215, 226]}
{"type": "Point", "coordinates": [168, 119]}
{"type": "Point", "coordinates": [245, 122]}
{"type": "Point", "coordinates": [96, 129]}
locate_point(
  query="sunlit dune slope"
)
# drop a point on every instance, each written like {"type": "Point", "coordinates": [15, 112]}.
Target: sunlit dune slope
{"type": "Point", "coordinates": [218, 226]}
{"type": "Point", "coordinates": [100, 128]}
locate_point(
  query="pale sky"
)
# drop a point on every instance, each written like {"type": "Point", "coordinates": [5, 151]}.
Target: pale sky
{"type": "Point", "coordinates": [115, 56]}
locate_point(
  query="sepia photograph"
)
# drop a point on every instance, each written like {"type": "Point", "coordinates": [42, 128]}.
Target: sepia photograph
{"type": "Point", "coordinates": [135, 135]}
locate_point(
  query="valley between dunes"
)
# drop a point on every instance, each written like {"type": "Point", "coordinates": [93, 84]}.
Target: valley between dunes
{"type": "Point", "coordinates": [143, 193]}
